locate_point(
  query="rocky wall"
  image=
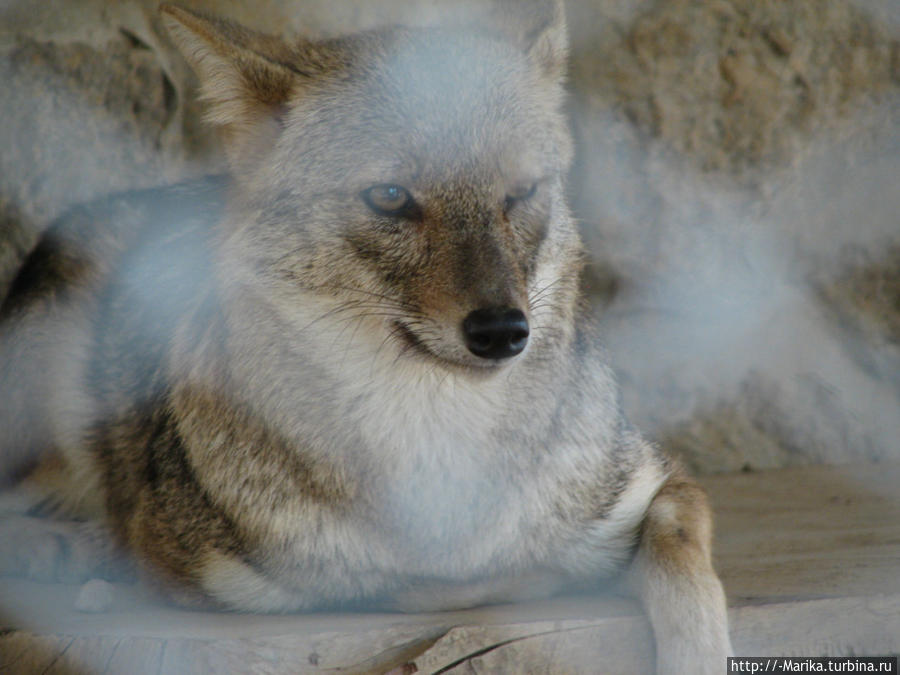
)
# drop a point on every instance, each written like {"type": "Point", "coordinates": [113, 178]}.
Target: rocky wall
{"type": "Point", "coordinates": [737, 178]}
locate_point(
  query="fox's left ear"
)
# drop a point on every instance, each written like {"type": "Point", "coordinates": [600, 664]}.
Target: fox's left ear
{"type": "Point", "coordinates": [538, 27]}
{"type": "Point", "coordinates": [246, 79]}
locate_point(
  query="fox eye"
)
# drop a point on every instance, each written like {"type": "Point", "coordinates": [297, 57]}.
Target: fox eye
{"type": "Point", "coordinates": [390, 200]}
{"type": "Point", "coordinates": [519, 194]}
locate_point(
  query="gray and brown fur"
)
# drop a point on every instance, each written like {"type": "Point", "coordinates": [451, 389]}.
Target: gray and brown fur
{"type": "Point", "coordinates": [260, 384]}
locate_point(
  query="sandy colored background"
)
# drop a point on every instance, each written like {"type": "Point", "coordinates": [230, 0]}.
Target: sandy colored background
{"type": "Point", "coordinates": [738, 181]}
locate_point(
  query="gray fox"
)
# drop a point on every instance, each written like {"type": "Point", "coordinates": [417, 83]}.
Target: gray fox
{"type": "Point", "coordinates": [356, 368]}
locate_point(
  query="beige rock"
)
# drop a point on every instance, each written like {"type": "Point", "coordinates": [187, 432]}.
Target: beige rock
{"type": "Point", "coordinates": [736, 84]}
{"type": "Point", "coordinates": [728, 152]}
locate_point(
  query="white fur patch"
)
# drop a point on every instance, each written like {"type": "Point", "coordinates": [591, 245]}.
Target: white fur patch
{"type": "Point", "coordinates": [237, 585]}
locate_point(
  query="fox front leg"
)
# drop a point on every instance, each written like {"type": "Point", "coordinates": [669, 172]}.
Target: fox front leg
{"type": "Point", "coordinates": [675, 580]}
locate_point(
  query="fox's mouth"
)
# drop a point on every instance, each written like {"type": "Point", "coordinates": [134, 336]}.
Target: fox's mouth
{"type": "Point", "coordinates": [413, 343]}
{"type": "Point", "coordinates": [411, 340]}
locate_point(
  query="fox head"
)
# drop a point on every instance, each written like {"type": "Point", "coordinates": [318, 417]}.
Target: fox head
{"type": "Point", "coordinates": [416, 174]}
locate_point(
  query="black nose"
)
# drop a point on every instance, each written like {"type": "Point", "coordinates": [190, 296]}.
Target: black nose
{"type": "Point", "coordinates": [496, 332]}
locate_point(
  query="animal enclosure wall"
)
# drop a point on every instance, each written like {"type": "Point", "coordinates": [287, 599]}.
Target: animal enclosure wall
{"type": "Point", "coordinates": [736, 180]}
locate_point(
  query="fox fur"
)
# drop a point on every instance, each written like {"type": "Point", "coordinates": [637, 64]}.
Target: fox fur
{"type": "Point", "coordinates": [260, 384]}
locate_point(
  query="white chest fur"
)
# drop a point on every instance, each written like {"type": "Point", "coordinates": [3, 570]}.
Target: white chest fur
{"type": "Point", "coordinates": [459, 475]}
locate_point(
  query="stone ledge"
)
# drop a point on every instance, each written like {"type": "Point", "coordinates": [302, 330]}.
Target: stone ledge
{"type": "Point", "coordinates": [810, 558]}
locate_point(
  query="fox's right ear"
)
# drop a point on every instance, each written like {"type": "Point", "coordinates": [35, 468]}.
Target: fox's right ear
{"type": "Point", "coordinates": [246, 78]}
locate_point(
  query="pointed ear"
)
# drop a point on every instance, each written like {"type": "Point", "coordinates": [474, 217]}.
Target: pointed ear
{"type": "Point", "coordinates": [246, 78]}
{"type": "Point", "coordinates": [538, 27]}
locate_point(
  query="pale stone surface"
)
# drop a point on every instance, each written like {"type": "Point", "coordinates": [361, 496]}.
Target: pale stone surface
{"type": "Point", "coordinates": [809, 558]}
{"type": "Point", "coordinates": [735, 84]}
{"type": "Point", "coordinates": [731, 154]}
